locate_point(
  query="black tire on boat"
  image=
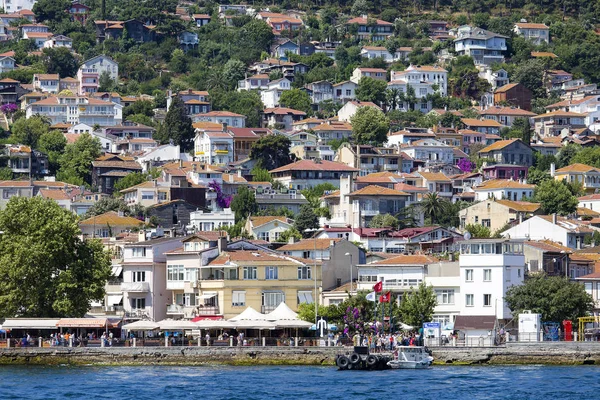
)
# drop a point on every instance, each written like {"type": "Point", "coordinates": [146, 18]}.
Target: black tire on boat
{"type": "Point", "coordinates": [354, 358]}
{"type": "Point", "coordinates": [371, 360]}
{"type": "Point", "coordinates": [350, 366]}
{"type": "Point", "coordinates": [342, 362]}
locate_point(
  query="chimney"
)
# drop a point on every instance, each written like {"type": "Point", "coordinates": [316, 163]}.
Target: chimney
{"type": "Point", "coordinates": [180, 163]}
{"type": "Point", "coordinates": [222, 244]}
{"type": "Point", "coordinates": [239, 172]}
{"type": "Point", "coordinates": [554, 218]}
{"type": "Point", "coordinates": [194, 167]}
{"type": "Point", "coordinates": [224, 126]}
{"type": "Point", "coordinates": [142, 236]}
{"type": "Point", "coordinates": [552, 170]}
{"type": "Point", "coordinates": [230, 178]}
{"type": "Point", "coordinates": [154, 182]}
{"type": "Point", "coordinates": [365, 16]}
{"type": "Point", "coordinates": [292, 240]}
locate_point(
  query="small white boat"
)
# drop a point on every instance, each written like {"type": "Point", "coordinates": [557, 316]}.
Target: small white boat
{"type": "Point", "coordinates": [410, 357]}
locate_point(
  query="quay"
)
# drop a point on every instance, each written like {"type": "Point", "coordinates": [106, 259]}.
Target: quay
{"type": "Point", "coordinates": [556, 353]}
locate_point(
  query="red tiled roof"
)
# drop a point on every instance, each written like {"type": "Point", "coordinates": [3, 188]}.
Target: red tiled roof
{"type": "Point", "coordinates": [310, 165]}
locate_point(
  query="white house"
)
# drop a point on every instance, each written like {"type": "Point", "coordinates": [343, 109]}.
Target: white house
{"type": "Point", "coordinates": [488, 268]}
{"type": "Point", "coordinates": [591, 202]}
{"type": "Point", "coordinates": [344, 91]}
{"type": "Point", "coordinates": [214, 147]}
{"type": "Point", "coordinates": [483, 46]}
{"type": "Point", "coordinates": [48, 83]}
{"type": "Point", "coordinates": [144, 286]}
{"type": "Point", "coordinates": [75, 110]}
{"type": "Point", "coordinates": [7, 63]}
{"type": "Point", "coordinates": [209, 221]}
{"type": "Point", "coordinates": [222, 117]}
{"type": "Point", "coordinates": [424, 79]}
{"type": "Point", "coordinates": [348, 110]}
{"type": "Point", "coordinates": [371, 52]}
{"type": "Point", "coordinates": [268, 228]}
{"type": "Point", "coordinates": [430, 150]}
{"type": "Point", "coordinates": [166, 152]}
{"type": "Point", "coordinates": [58, 41]}
{"type": "Point", "coordinates": [90, 71]}
{"type": "Point", "coordinates": [254, 82]}
{"type": "Point", "coordinates": [305, 174]}
{"type": "Point", "coordinates": [270, 96]}
{"type": "Point", "coordinates": [537, 33]}
{"type": "Point", "coordinates": [13, 6]}
{"type": "Point", "coordinates": [503, 189]}
{"type": "Point", "coordinates": [375, 73]}
{"type": "Point", "coordinates": [496, 78]}
{"type": "Point", "coordinates": [569, 232]}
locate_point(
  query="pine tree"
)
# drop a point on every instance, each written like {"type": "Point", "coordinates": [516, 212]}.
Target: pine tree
{"type": "Point", "coordinates": [177, 126]}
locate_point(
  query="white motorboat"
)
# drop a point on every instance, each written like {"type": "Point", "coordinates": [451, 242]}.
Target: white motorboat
{"type": "Point", "coordinates": [410, 357]}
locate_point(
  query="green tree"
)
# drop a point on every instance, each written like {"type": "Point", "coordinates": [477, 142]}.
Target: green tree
{"type": "Point", "coordinates": [129, 180]}
{"type": "Point", "coordinates": [296, 99]}
{"type": "Point", "coordinates": [384, 221]}
{"type": "Point", "coordinates": [369, 126]}
{"type": "Point", "coordinates": [29, 131]}
{"type": "Point", "coordinates": [178, 62]}
{"type": "Point", "coordinates": [588, 156]}
{"type": "Point", "coordinates": [417, 305]}
{"type": "Point", "coordinates": [536, 176]}
{"type": "Point", "coordinates": [359, 7]}
{"type": "Point", "coordinates": [530, 74]}
{"type": "Point", "coordinates": [258, 35]}
{"type": "Point", "coordinates": [521, 129]}
{"type": "Point", "coordinates": [59, 61]}
{"type": "Point", "coordinates": [106, 83]}
{"type": "Point", "coordinates": [272, 151]}
{"type": "Point", "coordinates": [53, 144]}
{"type": "Point", "coordinates": [6, 174]}
{"type": "Point", "coordinates": [233, 71]}
{"type": "Point", "coordinates": [555, 297]}
{"type": "Point", "coordinates": [285, 236]}
{"type": "Point", "coordinates": [555, 197]}
{"type": "Point", "coordinates": [434, 207]}
{"type": "Point", "coordinates": [106, 204]}
{"type": "Point", "coordinates": [478, 231]}
{"type": "Point", "coordinates": [244, 102]}
{"type": "Point", "coordinates": [306, 219]}
{"type": "Point", "coordinates": [372, 90]}
{"type": "Point", "coordinates": [45, 269]}
{"type": "Point", "coordinates": [244, 204]}
{"type": "Point", "coordinates": [566, 153]}
{"type": "Point", "coordinates": [177, 126]}
{"type": "Point", "coordinates": [260, 175]}
{"type": "Point", "coordinates": [76, 161]}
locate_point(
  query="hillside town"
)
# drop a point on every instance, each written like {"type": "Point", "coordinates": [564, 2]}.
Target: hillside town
{"type": "Point", "coordinates": [210, 159]}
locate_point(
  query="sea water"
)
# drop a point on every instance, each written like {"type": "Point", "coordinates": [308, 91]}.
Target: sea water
{"type": "Point", "coordinates": [248, 383]}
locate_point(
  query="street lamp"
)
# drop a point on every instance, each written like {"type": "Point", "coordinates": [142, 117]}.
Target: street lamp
{"type": "Point", "coordinates": [314, 231]}
{"type": "Point", "coordinates": [351, 267]}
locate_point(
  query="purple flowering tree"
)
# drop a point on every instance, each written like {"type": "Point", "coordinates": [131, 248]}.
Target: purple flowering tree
{"type": "Point", "coordinates": [353, 322]}
{"type": "Point", "coordinates": [223, 201]}
{"type": "Point", "coordinates": [465, 165]}
{"type": "Point", "coordinates": [9, 108]}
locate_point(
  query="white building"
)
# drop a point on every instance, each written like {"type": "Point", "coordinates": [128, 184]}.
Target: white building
{"type": "Point", "coordinates": [503, 189]}
{"type": "Point", "coordinates": [346, 113]}
{"type": "Point", "coordinates": [488, 268]}
{"type": "Point", "coordinates": [13, 6]}
{"type": "Point", "coordinates": [570, 233]}
{"type": "Point", "coordinates": [254, 82]}
{"type": "Point", "coordinates": [374, 73]}
{"type": "Point", "coordinates": [144, 286]}
{"type": "Point", "coordinates": [371, 52]}
{"type": "Point", "coordinates": [344, 91]}
{"type": "Point", "coordinates": [214, 147]}
{"type": "Point", "coordinates": [537, 33]}
{"type": "Point", "coordinates": [483, 46]}
{"type": "Point", "coordinates": [424, 80]}
{"type": "Point", "coordinates": [90, 71]}
{"type": "Point", "coordinates": [591, 202]}
{"type": "Point", "coordinates": [6, 64]}
{"type": "Point", "coordinates": [496, 78]}
{"type": "Point", "coordinates": [430, 150]}
{"type": "Point", "coordinates": [47, 83]}
{"type": "Point", "coordinates": [209, 221]}
{"type": "Point", "coordinates": [222, 117]}
{"type": "Point", "coordinates": [58, 41]}
{"type": "Point", "coordinates": [76, 110]}
{"type": "Point", "coordinates": [270, 96]}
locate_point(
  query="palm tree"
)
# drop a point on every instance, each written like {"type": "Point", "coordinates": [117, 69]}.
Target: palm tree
{"type": "Point", "coordinates": [433, 206]}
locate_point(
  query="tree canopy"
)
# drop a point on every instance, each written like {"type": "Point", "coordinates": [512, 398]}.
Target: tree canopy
{"type": "Point", "coordinates": [555, 297]}
{"type": "Point", "coordinates": [244, 204]}
{"type": "Point", "coordinates": [45, 269]}
{"type": "Point", "coordinates": [272, 151]}
{"type": "Point", "coordinates": [417, 305]}
{"type": "Point", "coordinates": [369, 126]}
{"type": "Point", "coordinates": [76, 161]}
{"type": "Point", "coordinates": [555, 197]}
{"type": "Point", "coordinates": [177, 126]}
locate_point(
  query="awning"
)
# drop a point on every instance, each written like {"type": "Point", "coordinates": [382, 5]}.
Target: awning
{"type": "Point", "coordinates": [29, 323]}
{"type": "Point", "coordinates": [141, 326]}
{"type": "Point", "coordinates": [114, 299]}
{"type": "Point", "coordinates": [474, 322]}
{"type": "Point", "coordinates": [83, 323]}
{"type": "Point", "coordinates": [116, 270]}
{"type": "Point", "coordinates": [176, 325]}
{"type": "Point", "coordinates": [207, 296]}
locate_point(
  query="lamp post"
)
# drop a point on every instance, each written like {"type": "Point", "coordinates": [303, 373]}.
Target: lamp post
{"type": "Point", "coordinates": [314, 231]}
{"type": "Point", "coordinates": [351, 268]}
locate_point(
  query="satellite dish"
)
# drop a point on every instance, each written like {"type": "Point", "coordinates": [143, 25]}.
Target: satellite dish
{"type": "Point", "coordinates": [467, 236]}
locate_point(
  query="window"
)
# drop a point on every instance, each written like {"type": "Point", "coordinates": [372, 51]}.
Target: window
{"type": "Point", "coordinates": [186, 299]}
{"type": "Point", "coordinates": [249, 272]}
{"type": "Point", "coordinates": [147, 196]}
{"type": "Point", "coordinates": [469, 275]}
{"type": "Point", "coordinates": [442, 319]}
{"type": "Point", "coordinates": [469, 300]}
{"type": "Point", "coordinates": [272, 299]}
{"type": "Point", "coordinates": [271, 273]}
{"type": "Point", "coordinates": [304, 272]}
{"type": "Point", "coordinates": [367, 278]}
{"type": "Point", "coordinates": [487, 300]}
{"type": "Point", "coordinates": [305, 297]}
{"type": "Point", "coordinates": [175, 273]}
{"type": "Point", "coordinates": [445, 296]}
{"type": "Point", "coordinates": [138, 252]}
{"type": "Point", "coordinates": [238, 299]}
{"type": "Point", "coordinates": [486, 222]}
{"type": "Point", "coordinates": [138, 276]}
{"type": "Point", "coordinates": [138, 304]}
{"type": "Point", "coordinates": [191, 274]}
{"type": "Point", "coordinates": [487, 275]}
{"type": "Point", "coordinates": [264, 236]}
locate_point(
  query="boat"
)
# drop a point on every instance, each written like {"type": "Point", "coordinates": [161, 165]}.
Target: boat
{"type": "Point", "coordinates": [410, 357]}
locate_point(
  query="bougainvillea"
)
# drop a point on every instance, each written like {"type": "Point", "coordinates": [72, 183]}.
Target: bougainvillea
{"type": "Point", "coordinates": [223, 201]}
{"type": "Point", "coordinates": [465, 165]}
{"type": "Point", "coordinates": [353, 322]}
{"type": "Point", "coordinates": [9, 108]}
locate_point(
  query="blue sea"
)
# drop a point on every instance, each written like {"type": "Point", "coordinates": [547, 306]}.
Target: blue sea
{"type": "Point", "coordinates": [248, 383]}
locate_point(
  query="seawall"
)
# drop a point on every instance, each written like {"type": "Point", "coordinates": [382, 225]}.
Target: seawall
{"type": "Point", "coordinates": [514, 353]}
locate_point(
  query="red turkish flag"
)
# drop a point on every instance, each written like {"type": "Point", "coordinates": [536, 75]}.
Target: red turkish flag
{"type": "Point", "coordinates": [378, 287]}
{"type": "Point", "coordinates": [385, 298]}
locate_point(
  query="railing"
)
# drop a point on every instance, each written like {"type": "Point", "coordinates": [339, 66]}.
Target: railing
{"type": "Point", "coordinates": [210, 310]}
{"type": "Point", "coordinates": [137, 287]}
{"type": "Point", "coordinates": [174, 309]}
{"type": "Point", "coordinates": [267, 309]}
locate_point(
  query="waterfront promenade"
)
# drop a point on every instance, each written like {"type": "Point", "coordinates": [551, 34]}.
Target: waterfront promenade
{"type": "Point", "coordinates": [566, 353]}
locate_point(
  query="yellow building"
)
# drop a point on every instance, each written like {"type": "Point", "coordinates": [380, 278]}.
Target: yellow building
{"type": "Point", "coordinates": [588, 176]}
{"type": "Point", "coordinates": [206, 281]}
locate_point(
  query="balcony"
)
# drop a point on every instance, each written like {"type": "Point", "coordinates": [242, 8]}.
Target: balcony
{"type": "Point", "coordinates": [135, 287]}
{"type": "Point", "coordinates": [267, 309]}
{"type": "Point", "coordinates": [221, 151]}
{"type": "Point", "coordinates": [113, 288]}
{"type": "Point", "coordinates": [175, 309]}
{"type": "Point", "coordinates": [366, 212]}
{"type": "Point", "coordinates": [208, 310]}
{"type": "Point", "coordinates": [87, 112]}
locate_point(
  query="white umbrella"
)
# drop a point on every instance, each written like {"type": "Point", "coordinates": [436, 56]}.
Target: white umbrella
{"type": "Point", "coordinates": [214, 324]}
{"type": "Point", "coordinates": [288, 323]}
{"type": "Point", "coordinates": [176, 325]}
{"type": "Point", "coordinates": [282, 312]}
{"type": "Point", "coordinates": [404, 326]}
{"type": "Point", "coordinates": [249, 314]}
{"type": "Point", "coordinates": [246, 324]}
{"type": "Point", "coordinates": [141, 326]}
